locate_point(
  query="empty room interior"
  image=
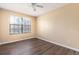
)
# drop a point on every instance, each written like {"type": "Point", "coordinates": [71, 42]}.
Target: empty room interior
{"type": "Point", "coordinates": [39, 29]}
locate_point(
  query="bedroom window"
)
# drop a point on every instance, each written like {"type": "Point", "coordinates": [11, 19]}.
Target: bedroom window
{"type": "Point", "coordinates": [19, 25]}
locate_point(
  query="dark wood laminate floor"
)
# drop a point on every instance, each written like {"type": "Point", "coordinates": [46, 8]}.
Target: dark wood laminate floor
{"type": "Point", "coordinates": [34, 47]}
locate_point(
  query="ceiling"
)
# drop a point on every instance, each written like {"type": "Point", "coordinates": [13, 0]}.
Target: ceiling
{"type": "Point", "coordinates": [27, 9]}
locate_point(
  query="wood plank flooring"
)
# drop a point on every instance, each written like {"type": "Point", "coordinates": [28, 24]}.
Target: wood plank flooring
{"type": "Point", "coordinates": [34, 47]}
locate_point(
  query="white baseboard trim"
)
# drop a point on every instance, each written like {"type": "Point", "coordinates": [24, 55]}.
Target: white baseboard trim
{"type": "Point", "coordinates": [15, 41]}
{"type": "Point", "coordinates": [59, 44]}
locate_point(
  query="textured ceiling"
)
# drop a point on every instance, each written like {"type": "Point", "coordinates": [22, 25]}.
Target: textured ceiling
{"type": "Point", "coordinates": [27, 9]}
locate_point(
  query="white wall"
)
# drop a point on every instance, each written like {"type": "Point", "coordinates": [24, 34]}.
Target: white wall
{"type": "Point", "coordinates": [60, 26]}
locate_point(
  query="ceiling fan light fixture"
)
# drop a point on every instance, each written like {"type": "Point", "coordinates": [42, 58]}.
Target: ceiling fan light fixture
{"type": "Point", "coordinates": [34, 5]}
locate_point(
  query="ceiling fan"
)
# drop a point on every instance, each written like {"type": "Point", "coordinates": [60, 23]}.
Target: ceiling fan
{"type": "Point", "coordinates": [34, 5]}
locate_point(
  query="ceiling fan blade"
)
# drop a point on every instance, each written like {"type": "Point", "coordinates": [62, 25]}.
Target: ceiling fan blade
{"type": "Point", "coordinates": [33, 4]}
{"type": "Point", "coordinates": [39, 6]}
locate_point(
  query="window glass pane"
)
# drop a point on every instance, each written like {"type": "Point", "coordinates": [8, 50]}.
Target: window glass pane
{"type": "Point", "coordinates": [26, 21]}
{"type": "Point", "coordinates": [12, 29]}
{"type": "Point", "coordinates": [12, 20]}
{"type": "Point", "coordinates": [19, 28]}
{"type": "Point", "coordinates": [26, 28]}
{"type": "Point", "coordinates": [17, 20]}
{"type": "Point", "coordinates": [29, 28]}
{"type": "Point", "coordinates": [16, 29]}
{"type": "Point", "coordinates": [21, 21]}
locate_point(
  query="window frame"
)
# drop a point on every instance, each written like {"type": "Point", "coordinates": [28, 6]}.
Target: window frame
{"type": "Point", "coordinates": [20, 26]}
